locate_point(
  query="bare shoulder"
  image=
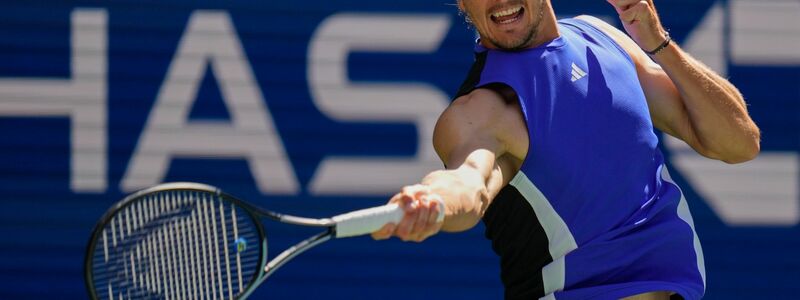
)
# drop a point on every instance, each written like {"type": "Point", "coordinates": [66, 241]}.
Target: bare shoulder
{"type": "Point", "coordinates": [486, 116]}
{"type": "Point", "coordinates": [472, 114]}
{"type": "Point", "coordinates": [482, 97]}
{"type": "Point", "coordinates": [481, 107]}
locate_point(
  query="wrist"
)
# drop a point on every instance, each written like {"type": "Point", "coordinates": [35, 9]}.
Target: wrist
{"type": "Point", "coordinates": [664, 44]}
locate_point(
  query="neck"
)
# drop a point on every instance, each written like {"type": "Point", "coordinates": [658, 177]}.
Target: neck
{"type": "Point", "coordinates": [548, 30]}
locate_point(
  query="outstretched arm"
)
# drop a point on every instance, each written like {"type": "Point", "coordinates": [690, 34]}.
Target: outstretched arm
{"type": "Point", "coordinates": [479, 138]}
{"type": "Point", "coordinates": [687, 99]}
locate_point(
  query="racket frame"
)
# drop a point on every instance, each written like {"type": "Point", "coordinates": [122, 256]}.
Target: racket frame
{"type": "Point", "coordinates": [254, 212]}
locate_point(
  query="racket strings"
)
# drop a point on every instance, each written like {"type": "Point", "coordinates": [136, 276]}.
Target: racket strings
{"type": "Point", "coordinates": [176, 245]}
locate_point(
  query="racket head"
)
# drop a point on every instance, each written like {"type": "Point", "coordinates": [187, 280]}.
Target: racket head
{"type": "Point", "coordinates": [185, 239]}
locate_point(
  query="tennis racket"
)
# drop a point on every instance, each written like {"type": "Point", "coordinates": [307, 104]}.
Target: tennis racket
{"type": "Point", "coordinates": [193, 241]}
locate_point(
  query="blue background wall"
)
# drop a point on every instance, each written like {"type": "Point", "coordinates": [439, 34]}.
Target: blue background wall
{"type": "Point", "coordinates": [46, 217]}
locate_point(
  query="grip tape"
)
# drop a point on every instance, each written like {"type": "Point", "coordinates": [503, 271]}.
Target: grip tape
{"type": "Point", "coordinates": [369, 220]}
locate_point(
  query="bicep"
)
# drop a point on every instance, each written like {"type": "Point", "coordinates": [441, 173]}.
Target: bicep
{"type": "Point", "coordinates": [465, 126]}
{"type": "Point", "coordinates": [473, 132]}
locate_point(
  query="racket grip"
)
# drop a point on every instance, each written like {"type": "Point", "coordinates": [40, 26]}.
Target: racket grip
{"type": "Point", "coordinates": [369, 220]}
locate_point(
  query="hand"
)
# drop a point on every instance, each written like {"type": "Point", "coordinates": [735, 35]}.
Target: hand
{"type": "Point", "coordinates": [421, 212]}
{"type": "Point", "coordinates": [640, 19]}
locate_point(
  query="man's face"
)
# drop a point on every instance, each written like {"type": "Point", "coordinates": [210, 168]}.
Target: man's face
{"type": "Point", "coordinates": [505, 24]}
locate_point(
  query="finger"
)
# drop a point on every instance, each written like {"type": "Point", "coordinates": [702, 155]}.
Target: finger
{"type": "Point", "coordinates": [395, 198]}
{"type": "Point", "coordinates": [436, 208]}
{"type": "Point", "coordinates": [638, 12]}
{"type": "Point", "coordinates": [432, 226]}
{"type": "Point", "coordinates": [621, 5]}
{"type": "Point", "coordinates": [421, 226]}
{"type": "Point", "coordinates": [405, 229]}
{"type": "Point", "coordinates": [414, 190]}
{"type": "Point", "coordinates": [413, 225]}
{"type": "Point", "coordinates": [626, 4]}
{"type": "Point", "coordinates": [406, 226]}
{"type": "Point", "coordinates": [614, 4]}
{"type": "Point", "coordinates": [405, 201]}
{"type": "Point", "coordinates": [384, 233]}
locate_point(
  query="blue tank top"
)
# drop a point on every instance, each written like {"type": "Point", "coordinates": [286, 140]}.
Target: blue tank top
{"type": "Point", "coordinates": [592, 212]}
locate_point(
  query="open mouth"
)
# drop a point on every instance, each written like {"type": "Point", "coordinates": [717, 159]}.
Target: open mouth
{"type": "Point", "coordinates": [508, 16]}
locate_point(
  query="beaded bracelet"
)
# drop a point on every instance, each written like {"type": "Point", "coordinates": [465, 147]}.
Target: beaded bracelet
{"type": "Point", "coordinates": [662, 46]}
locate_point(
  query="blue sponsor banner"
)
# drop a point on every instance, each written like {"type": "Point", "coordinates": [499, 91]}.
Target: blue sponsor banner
{"type": "Point", "coordinates": [320, 107]}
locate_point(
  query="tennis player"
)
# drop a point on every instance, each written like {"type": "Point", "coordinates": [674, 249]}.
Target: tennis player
{"type": "Point", "coordinates": [550, 142]}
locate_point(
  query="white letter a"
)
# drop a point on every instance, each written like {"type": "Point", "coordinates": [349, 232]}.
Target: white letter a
{"type": "Point", "coordinates": [210, 39]}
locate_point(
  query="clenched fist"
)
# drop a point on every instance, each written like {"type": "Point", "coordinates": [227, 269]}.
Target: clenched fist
{"type": "Point", "coordinates": [421, 219]}
{"type": "Point", "coordinates": [640, 19]}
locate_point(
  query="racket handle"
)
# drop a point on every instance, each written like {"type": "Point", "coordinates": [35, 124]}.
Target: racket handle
{"type": "Point", "coordinates": [369, 220]}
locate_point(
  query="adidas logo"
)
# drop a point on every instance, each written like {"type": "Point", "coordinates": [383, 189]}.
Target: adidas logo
{"type": "Point", "coordinates": [577, 73]}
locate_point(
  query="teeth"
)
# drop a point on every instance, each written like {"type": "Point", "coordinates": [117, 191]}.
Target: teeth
{"type": "Point", "coordinates": [507, 12]}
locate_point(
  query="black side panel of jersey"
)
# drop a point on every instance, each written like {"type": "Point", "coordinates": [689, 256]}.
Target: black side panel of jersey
{"type": "Point", "coordinates": [474, 76]}
{"type": "Point", "coordinates": [520, 241]}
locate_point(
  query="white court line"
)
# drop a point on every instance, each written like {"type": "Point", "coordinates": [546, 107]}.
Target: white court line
{"type": "Point", "coordinates": [166, 263]}
{"type": "Point", "coordinates": [192, 268]}
{"type": "Point", "coordinates": [134, 218]}
{"type": "Point", "coordinates": [198, 272]}
{"type": "Point", "coordinates": [150, 254]}
{"type": "Point", "coordinates": [207, 245]}
{"type": "Point", "coordinates": [176, 268]}
{"type": "Point", "coordinates": [153, 247]}
{"type": "Point", "coordinates": [133, 268]}
{"type": "Point", "coordinates": [140, 246]}
{"type": "Point", "coordinates": [105, 246]}
{"type": "Point", "coordinates": [225, 246]}
{"type": "Point", "coordinates": [113, 233]}
{"type": "Point", "coordinates": [202, 244]}
{"type": "Point", "coordinates": [181, 251]}
{"type": "Point", "coordinates": [216, 247]}
{"type": "Point", "coordinates": [238, 255]}
{"type": "Point", "coordinates": [151, 257]}
{"type": "Point", "coordinates": [120, 222]}
{"type": "Point", "coordinates": [145, 246]}
{"type": "Point", "coordinates": [125, 264]}
{"type": "Point", "coordinates": [176, 228]}
{"type": "Point", "coordinates": [128, 220]}
{"type": "Point", "coordinates": [132, 235]}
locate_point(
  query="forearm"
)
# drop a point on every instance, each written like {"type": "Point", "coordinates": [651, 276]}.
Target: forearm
{"type": "Point", "coordinates": [716, 110]}
{"type": "Point", "coordinates": [464, 206]}
{"type": "Point", "coordinates": [469, 190]}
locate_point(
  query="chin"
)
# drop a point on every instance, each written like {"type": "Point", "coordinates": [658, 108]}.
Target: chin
{"type": "Point", "coordinates": [516, 43]}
